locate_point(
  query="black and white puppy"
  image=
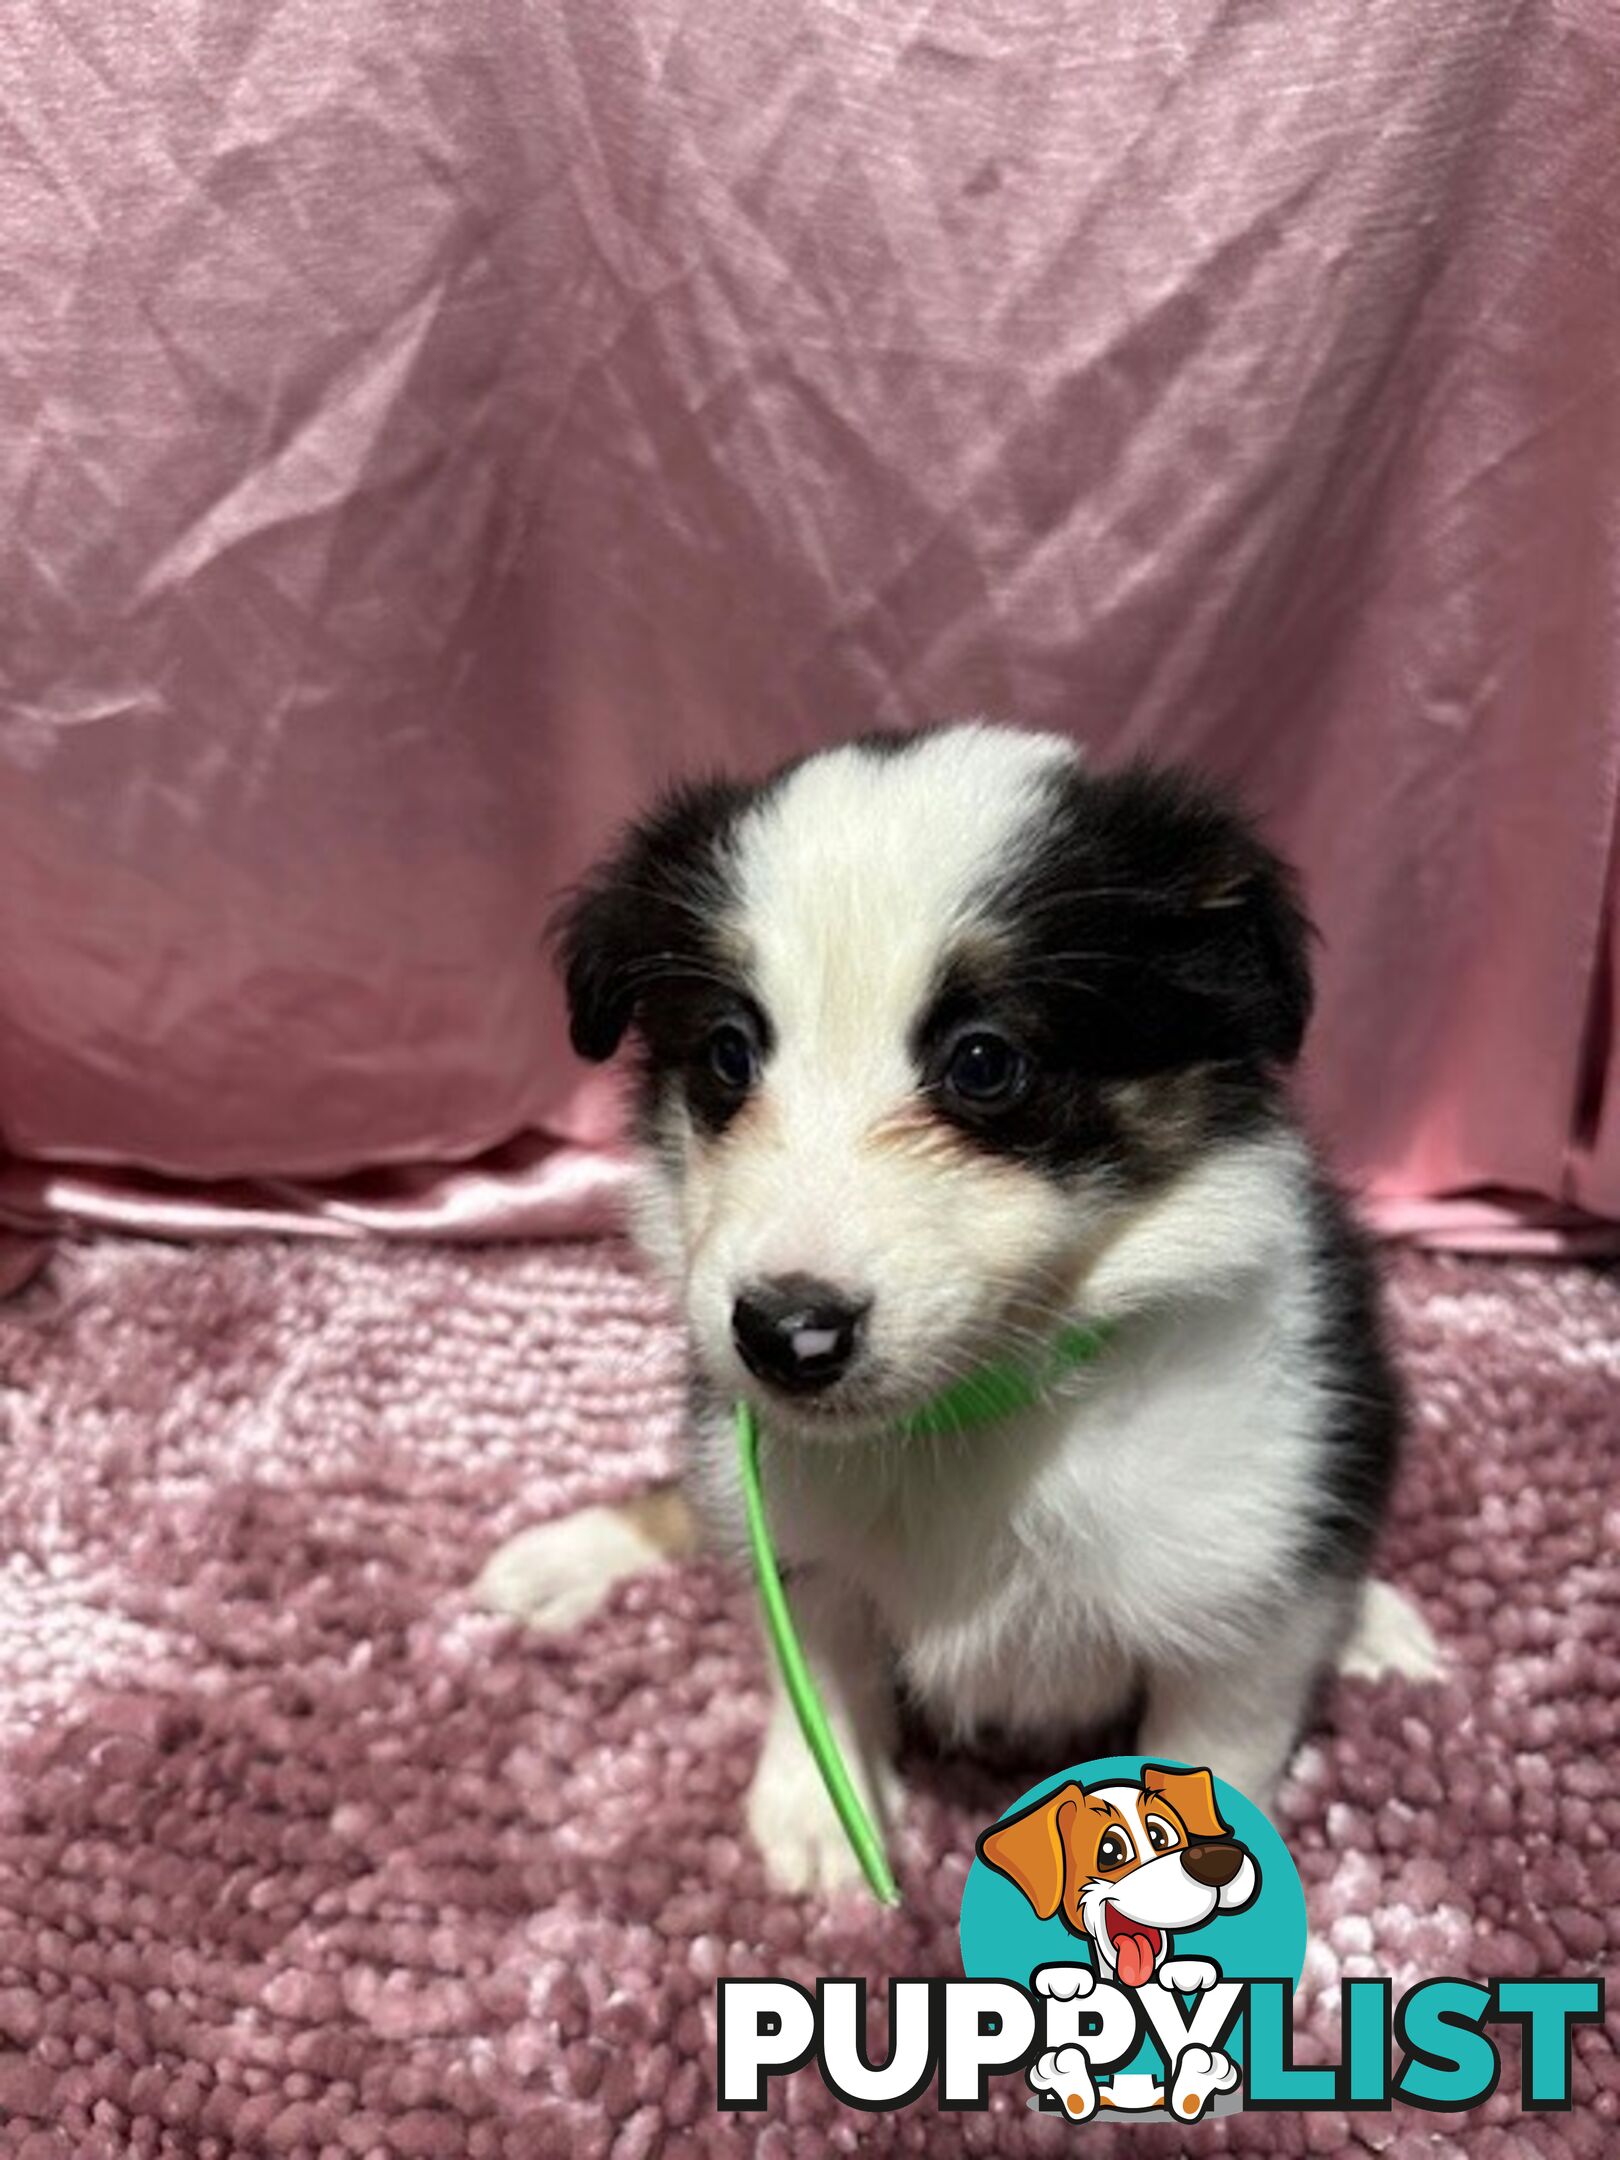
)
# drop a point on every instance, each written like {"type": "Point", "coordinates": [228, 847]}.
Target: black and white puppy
{"type": "Point", "coordinates": [945, 1041]}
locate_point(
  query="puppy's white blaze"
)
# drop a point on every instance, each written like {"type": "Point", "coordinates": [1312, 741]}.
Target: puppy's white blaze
{"type": "Point", "coordinates": [855, 880]}
{"type": "Point", "coordinates": [856, 873]}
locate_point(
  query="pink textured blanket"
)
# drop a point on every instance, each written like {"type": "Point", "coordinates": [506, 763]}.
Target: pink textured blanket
{"type": "Point", "coordinates": [299, 1854]}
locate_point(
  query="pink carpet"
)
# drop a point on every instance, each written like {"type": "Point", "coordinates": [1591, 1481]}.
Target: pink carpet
{"type": "Point", "coordinates": [298, 1854]}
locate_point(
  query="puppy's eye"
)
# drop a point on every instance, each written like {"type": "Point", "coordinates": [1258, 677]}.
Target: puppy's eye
{"type": "Point", "coordinates": [986, 1071]}
{"type": "Point", "coordinates": [1159, 1834]}
{"type": "Point", "coordinates": [1113, 1851]}
{"type": "Point", "coordinates": [731, 1057]}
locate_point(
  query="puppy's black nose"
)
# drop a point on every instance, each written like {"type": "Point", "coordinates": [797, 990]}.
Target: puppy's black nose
{"type": "Point", "coordinates": [797, 1333]}
{"type": "Point", "coordinates": [1213, 1863]}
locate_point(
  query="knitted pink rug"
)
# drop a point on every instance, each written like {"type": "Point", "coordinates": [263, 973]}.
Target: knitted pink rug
{"type": "Point", "coordinates": [299, 1854]}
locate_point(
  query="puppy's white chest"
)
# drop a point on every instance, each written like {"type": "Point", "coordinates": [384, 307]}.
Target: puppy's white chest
{"type": "Point", "coordinates": [1076, 1549]}
{"type": "Point", "coordinates": [1045, 1621]}
{"type": "Point", "coordinates": [1005, 1658]}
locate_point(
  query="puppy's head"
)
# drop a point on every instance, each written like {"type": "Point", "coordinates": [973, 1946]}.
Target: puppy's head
{"type": "Point", "coordinates": [1126, 1865]}
{"type": "Point", "coordinates": [919, 1020]}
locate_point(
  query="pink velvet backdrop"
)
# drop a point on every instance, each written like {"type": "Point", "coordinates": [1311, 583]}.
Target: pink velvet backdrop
{"type": "Point", "coordinates": [423, 429]}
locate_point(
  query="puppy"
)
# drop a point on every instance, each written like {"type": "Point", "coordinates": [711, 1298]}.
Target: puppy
{"type": "Point", "coordinates": [942, 1043]}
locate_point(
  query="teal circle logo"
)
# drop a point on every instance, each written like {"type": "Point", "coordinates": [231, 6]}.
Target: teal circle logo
{"type": "Point", "coordinates": [1133, 1897]}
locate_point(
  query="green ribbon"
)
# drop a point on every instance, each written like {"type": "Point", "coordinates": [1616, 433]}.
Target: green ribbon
{"type": "Point", "coordinates": [985, 1395]}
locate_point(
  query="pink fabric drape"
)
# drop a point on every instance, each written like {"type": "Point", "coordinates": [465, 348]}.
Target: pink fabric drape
{"type": "Point", "coordinates": [423, 430]}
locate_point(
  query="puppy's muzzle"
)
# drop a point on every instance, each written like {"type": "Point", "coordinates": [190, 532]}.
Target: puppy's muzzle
{"type": "Point", "coordinates": [797, 1333]}
{"type": "Point", "coordinates": [1213, 1863]}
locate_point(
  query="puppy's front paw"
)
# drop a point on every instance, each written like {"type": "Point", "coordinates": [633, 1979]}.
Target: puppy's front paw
{"type": "Point", "coordinates": [559, 1573]}
{"type": "Point", "coordinates": [1066, 1983]}
{"type": "Point", "coordinates": [795, 1825]}
{"type": "Point", "coordinates": [1390, 1636]}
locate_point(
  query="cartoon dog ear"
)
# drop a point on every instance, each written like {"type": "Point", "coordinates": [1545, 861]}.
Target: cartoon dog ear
{"type": "Point", "coordinates": [1029, 1850]}
{"type": "Point", "coordinates": [1192, 1794]}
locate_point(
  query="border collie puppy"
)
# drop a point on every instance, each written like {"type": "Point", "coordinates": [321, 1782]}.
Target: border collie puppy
{"type": "Point", "coordinates": [946, 1043]}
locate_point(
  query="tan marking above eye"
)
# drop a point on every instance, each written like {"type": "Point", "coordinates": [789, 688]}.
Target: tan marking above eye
{"type": "Point", "coordinates": [914, 1129]}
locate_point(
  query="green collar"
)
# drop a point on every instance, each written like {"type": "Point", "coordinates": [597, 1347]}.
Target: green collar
{"type": "Point", "coordinates": [988, 1393]}
{"type": "Point", "coordinates": [992, 1392]}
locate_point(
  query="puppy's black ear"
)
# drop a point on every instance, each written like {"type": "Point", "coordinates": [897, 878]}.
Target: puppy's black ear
{"type": "Point", "coordinates": [1215, 920]}
{"type": "Point", "coordinates": [1246, 948]}
{"type": "Point", "coordinates": [597, 944]}
{"type": "Point", "coordinates": [648, 913]}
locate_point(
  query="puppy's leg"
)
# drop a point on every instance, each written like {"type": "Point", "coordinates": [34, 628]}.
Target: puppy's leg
{"type": "Point", "coordinates": [1241, 1717]}
{"type": "Point", "coordinates": [1390, 1636]}
{"type": "Point", "coordinates": [790, 1816]}
{"type": "Point", "coordinates": [559, 1573]}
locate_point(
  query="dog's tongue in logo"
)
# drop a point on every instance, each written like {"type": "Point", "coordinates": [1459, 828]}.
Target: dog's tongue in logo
{"type": "Point", "coordinates": [1136, 1946]}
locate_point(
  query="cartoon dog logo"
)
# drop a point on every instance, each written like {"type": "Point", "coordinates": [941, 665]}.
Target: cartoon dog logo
{"type": "Point", "coordinates": [1126, 1867]}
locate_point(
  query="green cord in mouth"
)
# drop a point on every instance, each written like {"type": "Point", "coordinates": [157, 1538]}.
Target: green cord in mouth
{"type": "Point", "coordinates": [983, 1396]}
